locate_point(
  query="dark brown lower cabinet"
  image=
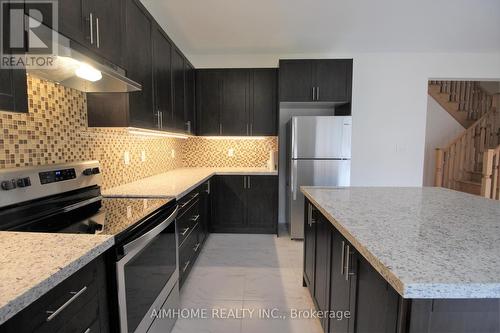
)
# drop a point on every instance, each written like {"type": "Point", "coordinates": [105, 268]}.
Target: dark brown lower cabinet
{"type": "Point", "coordinates": [245, 204]}
{"type": "Point", "coordinates": [360, 300]}
{"type": "Point", "coordinates": [54, 312]}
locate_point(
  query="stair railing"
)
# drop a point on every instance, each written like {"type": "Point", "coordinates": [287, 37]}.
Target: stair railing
{"type": "Point", "coordinates": [464, 154]}
{"type": "Point", "coordinates": [490, 183]}
{"type": "Point", "coordinates": [469, 95]}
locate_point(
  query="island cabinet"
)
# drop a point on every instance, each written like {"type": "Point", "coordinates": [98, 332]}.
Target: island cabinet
{"type": "Point", "coordinates": [359, 300]}
{"type": "Point", "coordinates": [245, 204]}
{"type": "Point", "coordinates": [78, 304]}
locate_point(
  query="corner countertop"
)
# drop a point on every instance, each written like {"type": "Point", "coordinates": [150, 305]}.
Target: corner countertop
{"type": "Point", "coordinates": [178, 182]}
{"type": "Point", "coordinates": [426, 242]}
{"type": "Point", "coordinates": [31, 264]}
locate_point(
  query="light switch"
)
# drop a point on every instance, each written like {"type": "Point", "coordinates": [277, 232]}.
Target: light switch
{"type": "Point", "coordinates": [126, 158]}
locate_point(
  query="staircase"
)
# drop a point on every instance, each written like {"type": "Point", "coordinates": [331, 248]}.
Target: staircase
{"type": "Point", "coordinates": [470, 163]}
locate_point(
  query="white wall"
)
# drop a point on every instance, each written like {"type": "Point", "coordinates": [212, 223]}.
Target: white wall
{"type": "Point", "coordinates": [389, 105]}
{"type": "Point", "coordinates": [441, 129]}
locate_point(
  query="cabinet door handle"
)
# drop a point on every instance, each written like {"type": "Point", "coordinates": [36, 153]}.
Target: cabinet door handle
{"type": "Point", "coordinates": [317, 93]}
{"type": "Point", "coordinates": [247, 129]}
{"type": "Point", "coordinates": [208, 187]}
{"type": "Point", "coordinates": [158, 119]}
{"type": "Point", "coordinates": [196, 247]}
{"type": "Point", "coordinates": [87, 330]}
{"type": "Point", "coordinates": [251, 128]}
{"type": "Point", "coordinates": [188, 125]}
{"type": "Point", "coordinates": [98, 39]}
{"type": "Point", "coordinates": [186, 265]}
{"type": "Point", "coordinates": [183, 233]}
{"type": "Point", "coordinates": [53, 314]}
{"type": "Point", "coordinates": [91, 21]}
{"type": "Point", "coordinates": [314, 93]}
{"type": "Point", "coordinates": [244, 182]}
{"type": "Point", "coordinates": [220, 128]}
{"type": "Point", "coordinates": [195, 218]}
{"type": "Point", "coordinates": [347, 262]}
{"type": "Point", "coordinates": [248, 182]}
{"type": "Point", "coordinates": [343, 259]}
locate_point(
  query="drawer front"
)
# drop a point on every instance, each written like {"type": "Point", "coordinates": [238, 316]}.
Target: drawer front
{"type": "Point", "coordinates": [85, 321]}
{"type": "Point", "coordinates": [188, 220]}
{"type": "Point", "coordinates": [187, 201]}
{"type": "Point", "coordinates": [188, 250]}
{"type": "Point", "coordinates": [56, 309]}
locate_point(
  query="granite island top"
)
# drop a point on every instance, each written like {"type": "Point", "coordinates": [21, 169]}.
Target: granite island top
{"type": "Point", "coordinates": [178, 182]}
{"type": "Point", "coordinates": [31, 264]}
{"type": "Point", "coordinates": [426, 242]}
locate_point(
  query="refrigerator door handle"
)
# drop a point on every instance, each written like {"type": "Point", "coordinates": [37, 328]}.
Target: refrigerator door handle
{"type": "Point", "coordinates": [294, 142]}
{"type": "Point", "coordinates": [294, 179]}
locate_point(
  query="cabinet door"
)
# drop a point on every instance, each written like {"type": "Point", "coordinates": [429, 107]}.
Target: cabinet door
{"type": "Point", "coordinates": [322, 267]}
{"type": "Point", "coordinates": [295, 81]}
{"type": "Point", "coordinates": [333, 79]}
{"type": "Point", "coordinates": [139, 66]}
{"type": "Point", "coordinates": [189, 110]}
{"type": "Point", "coordinates": [74, 20]}
{"type": "Point", "coordinates": [178, 83]}
{"type": "Point", "coordinates": [229, 204]}
{"type": "Point", "coordinates": [376, 301]}
{"type": "Point", "coordinates": [13, 90]}
{"type": "Point", "coordinates": [263, 92]}
{"type": "Point", "coordinates": [341, 283]}
{"type": "Point", "coordinates": [108, 24]}
{"type": "Point", "coordinates": [208, 102]}
{"type": "Point", "coordinates": [162, 78]}
{"type": "Point", "coordinates": [262, 203]}
{"type": "Point", "coordinates": [234, 113]}
{"type": "Point", "coordinates": [309, 246]}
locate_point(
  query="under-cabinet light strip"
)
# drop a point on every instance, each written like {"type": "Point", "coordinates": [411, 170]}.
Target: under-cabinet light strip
{"type": "Point", "coordinates": [143, 132]}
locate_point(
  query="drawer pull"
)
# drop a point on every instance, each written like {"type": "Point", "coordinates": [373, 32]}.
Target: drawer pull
{"type": "Point", "coordinates": [187, 203]}
{"type": "Point", "coordinates": [87, 330]}
{"type": "Point", "coordinates": [195, 218]}
{"type": "Point", "coordinates": [185, 231]}
{"type": "Point", "coordinates": [54, 314]}
{"type": "Point", "coordinates": [196, 247]}
{"type": "Point", "coordinates": [186, 265]}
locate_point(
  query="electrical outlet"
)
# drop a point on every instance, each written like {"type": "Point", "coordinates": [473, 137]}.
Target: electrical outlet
{"type": "Point", "coordinates": [126, 158]}
{"type": "Point", "coordinates": [172, 153]}
{"type": "Point", "coordinates": [230, 152]}
{"type": "Point", "coordinates": [143, 156]}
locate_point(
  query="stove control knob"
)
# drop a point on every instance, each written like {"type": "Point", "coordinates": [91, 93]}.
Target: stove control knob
{"type": "Point", "coordinates": [96, 171]}
{"type": "Point", "coordinates": [8, 185]}
{"type": "Point", "coordinates": [23, 182]}
{"type": "Point", "coordinates": [87, 172]}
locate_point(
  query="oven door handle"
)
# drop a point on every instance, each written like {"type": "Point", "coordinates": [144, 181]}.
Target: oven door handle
{"type": "Point", "coordinates": [138, 244]}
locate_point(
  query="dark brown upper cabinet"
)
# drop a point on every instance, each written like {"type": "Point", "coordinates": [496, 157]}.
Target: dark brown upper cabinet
{"type": "Point", "coordinates": [178, 90]}
{"type": "Point", "coordinates": [327, 81]}
{"type": "Point", "coordinates": [13, 90]}
{"type": "Point", "coordinates": [95, 24]}
{"type": "Point", "coordinates": [162, 74]}
{"type": "Point", "coordinates": [189, 100]}
{"type": "Point", "coordinates": [263, 102]}
{"type": "Point", "coordinates": [236, 102]}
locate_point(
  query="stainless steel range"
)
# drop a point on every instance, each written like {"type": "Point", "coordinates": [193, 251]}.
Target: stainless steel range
{"type": "Point", "coordinates": [66, 198]}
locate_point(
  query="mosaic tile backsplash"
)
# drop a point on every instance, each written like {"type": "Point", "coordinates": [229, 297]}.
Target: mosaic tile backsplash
{"type": "Point", "coordinates": [55, 131]}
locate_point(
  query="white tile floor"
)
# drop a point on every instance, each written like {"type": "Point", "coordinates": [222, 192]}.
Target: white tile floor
{"type": "Point", "coordinates": [248, 272]}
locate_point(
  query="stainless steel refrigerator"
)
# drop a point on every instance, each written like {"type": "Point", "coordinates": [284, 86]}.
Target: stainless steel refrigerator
{"type": "Point", "coordinates": [319, 154]}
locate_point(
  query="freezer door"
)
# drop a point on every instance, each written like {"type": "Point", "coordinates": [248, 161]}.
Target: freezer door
{"type": "Point", "coordinates": [312, 173]}
{"type": "Point", "coordinates": [320, 137]}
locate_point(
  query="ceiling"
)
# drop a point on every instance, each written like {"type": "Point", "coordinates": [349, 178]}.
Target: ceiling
{"type": "Point", "coordinates": [210, 27]}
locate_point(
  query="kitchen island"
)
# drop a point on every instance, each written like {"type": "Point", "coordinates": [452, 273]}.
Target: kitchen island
{"type": "Point", "coordinates": [404, 259]}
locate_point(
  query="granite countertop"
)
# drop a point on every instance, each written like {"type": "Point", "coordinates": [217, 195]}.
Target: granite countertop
{"type": "Point", "coordinates": [33, 263]}
{"type": "Point", "coordinates": [426, 242]}
{"type": "Point", "coordinates": [178, 182]}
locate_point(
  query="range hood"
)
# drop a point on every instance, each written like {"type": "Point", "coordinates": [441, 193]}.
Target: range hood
{"type": "Point", "coordinates": [75, 70]}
